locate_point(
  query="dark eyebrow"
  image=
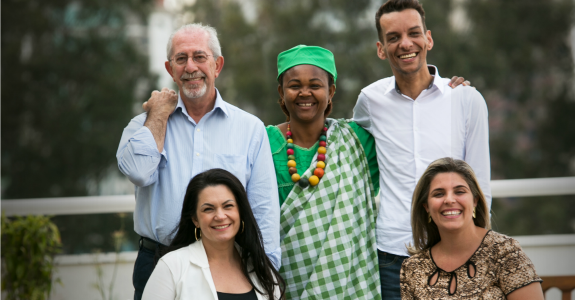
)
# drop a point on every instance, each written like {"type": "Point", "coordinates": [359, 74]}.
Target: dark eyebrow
{"type": "Point", "coordinates": [410, 29]}
{"type": "Point", "coordinates": [461, 186]}
{"type": "Point", "coordinates": [295, 79]}
{"type": "Point", "coordinates": [437, 189]}
{"type": "Point", "coordinates": [211, 205]}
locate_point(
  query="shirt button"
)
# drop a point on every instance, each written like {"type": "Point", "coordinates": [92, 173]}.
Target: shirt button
{"type": "Point", "coordinates": [198, 130]}
{"type": "Point", "coordinates": [197, 154]}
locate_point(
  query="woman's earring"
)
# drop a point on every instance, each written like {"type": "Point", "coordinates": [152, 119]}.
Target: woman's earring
{"type": "Point", "coordinates": [196, 233]}
{"type": "Point", "coordinates": [474, 213]}
{"type": "Point", "coordinates": [243, 227]}
{"type": "Point", "coordinates": [428, 218]}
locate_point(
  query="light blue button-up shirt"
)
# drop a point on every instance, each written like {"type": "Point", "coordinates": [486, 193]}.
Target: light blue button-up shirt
{"type": "Point", "coordinates": [227, 138]}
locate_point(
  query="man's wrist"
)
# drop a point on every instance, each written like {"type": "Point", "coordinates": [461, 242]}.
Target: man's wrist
{"type": "Point", "coordinates": [158, 116]}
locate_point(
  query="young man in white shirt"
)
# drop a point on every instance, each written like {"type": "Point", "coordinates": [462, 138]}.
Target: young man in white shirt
{"type": "Point", "coordinates": [415, 118]}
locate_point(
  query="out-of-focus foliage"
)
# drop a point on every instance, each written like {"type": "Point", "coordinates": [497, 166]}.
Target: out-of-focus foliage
{"type": "Point", "coordinates": [250, 48]}
{"type": "Point", "coordinates": [516, 53]}
{"type": "Point", "coordinates": [71, 72]}
{"type": "Point", "coordinates": [28, 248]}
{"type": "Point", "coordinates": [69, 78]}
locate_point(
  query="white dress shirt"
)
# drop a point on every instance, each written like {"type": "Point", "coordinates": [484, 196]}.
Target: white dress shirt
{"type": "Point", "coordinates": [227, 138]}
{"type": "Point", "coordinates": [410, 134]}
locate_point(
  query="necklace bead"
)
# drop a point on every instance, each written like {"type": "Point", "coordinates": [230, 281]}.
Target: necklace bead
{"type": "Point", "coordinates": [320, 166]}
{"type": "Point", "coordinates": [313, 180]}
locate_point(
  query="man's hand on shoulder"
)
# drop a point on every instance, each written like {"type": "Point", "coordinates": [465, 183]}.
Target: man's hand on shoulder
{"type": "Point", "coordinates": [456, 80]}
{"type": "Point", "coordinates": [161, 103]}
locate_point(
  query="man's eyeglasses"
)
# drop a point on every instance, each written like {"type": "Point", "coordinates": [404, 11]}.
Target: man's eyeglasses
{"type": "Point", "coordinates": [198, 58]}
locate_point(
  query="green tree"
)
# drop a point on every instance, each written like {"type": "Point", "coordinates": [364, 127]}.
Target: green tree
{"type": "Point", "coordinates": [517, 54]}
{"type": "Point", "coordinates": [69, 79]}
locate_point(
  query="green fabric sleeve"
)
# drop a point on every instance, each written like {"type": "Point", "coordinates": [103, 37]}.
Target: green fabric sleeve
{"type": "Point", "coordinates": [303, 158]}
{"type": "Point", "coordinates": [368, 143]}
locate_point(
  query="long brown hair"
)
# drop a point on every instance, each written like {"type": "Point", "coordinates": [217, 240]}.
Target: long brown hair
{"type": "Point", "coordinates": [426, 234]}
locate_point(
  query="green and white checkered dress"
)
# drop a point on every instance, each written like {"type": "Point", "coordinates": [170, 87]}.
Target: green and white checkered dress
{"type": "Point", "coordinates": [328, 231]}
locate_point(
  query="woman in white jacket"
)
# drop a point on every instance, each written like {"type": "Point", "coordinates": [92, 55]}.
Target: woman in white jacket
{"type": "Point", "coordinates": [217, 252]}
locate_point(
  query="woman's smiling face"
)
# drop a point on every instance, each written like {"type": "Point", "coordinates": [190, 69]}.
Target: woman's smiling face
{"type": "Point", "coordinates": [450, 202]}
{"type": "Point", "coordinates": [217, 215]}
{"type": "Point", "coordinates": [306, 92]}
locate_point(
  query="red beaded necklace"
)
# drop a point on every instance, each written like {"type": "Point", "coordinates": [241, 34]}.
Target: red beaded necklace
{"type": "Point", "coordinates": [319, 170]}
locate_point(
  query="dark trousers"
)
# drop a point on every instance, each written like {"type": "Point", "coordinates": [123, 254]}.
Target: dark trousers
{"type": "Point", "coordinates": [142, 271]}
{"type": "Point", "coordinates": [144, 266]}
{"type": "Point", "coordinates": [389, 268]}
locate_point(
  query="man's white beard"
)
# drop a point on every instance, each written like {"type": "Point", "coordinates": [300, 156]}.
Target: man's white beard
{"type": "Point", "coordinates": [193, 92]}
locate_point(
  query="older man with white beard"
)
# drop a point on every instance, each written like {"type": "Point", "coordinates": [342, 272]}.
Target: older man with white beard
{"type": "Point", "coordinates": [184, 134]}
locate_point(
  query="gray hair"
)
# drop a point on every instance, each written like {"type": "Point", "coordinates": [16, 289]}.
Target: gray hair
{"type": "Point", "coordinates": [213, 42]}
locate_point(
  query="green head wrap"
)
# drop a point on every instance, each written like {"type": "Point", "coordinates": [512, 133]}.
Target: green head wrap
{"type": "Point", "coordinates": [307, 55]}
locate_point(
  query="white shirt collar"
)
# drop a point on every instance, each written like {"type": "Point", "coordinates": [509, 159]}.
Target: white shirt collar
{"type": "Point", "coordinates": [436, 81]}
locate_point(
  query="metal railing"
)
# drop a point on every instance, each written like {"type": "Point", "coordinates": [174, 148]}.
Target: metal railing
{"type": "Point", "coordinates": [126, 203]}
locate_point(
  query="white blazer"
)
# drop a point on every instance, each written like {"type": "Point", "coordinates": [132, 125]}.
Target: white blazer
{"type": "Point", "coordinates": [185, 274]}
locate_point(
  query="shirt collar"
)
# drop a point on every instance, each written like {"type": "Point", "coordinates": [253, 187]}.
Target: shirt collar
{"type": "Point", "coordinates": [436, 81]}
{"type": "Point", "coordinates": [220, 104]}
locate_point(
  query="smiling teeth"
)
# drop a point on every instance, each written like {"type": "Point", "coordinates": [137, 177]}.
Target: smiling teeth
{"type": "Point", "coordinates": [451, 213]}
{"type": "Point", "coordinates": [222, 227]}
{"type": "Point", "coordinates": [408, 55]}
{"type": "Point", "coordinates": [305, 104]}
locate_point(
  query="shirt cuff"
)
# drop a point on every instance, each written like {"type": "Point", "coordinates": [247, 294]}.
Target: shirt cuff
{"type": "Point", "coordinates": [143, 143]}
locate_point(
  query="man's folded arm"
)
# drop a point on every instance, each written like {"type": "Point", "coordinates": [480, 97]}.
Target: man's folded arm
{"type": "Point", "coordinates": [138, 155]}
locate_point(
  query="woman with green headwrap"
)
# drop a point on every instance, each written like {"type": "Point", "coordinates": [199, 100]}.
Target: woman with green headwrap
{"type": "Point", "coordinates": [327, 176]}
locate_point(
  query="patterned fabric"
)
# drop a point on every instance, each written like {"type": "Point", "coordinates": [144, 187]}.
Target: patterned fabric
{"type": "Point", "coordinates": [501, 267]}
{"type": "Point", "coordinates": [328, 231]}
{"type": "Point", "coordinates": [304, 157]}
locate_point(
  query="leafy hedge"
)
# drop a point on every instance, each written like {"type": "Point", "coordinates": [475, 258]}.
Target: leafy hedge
{"type": "Point", "coordinates": [29, 245]}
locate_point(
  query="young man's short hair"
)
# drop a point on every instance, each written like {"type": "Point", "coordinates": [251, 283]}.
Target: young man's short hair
{"type": "Point", "coordinates": [398, 5]}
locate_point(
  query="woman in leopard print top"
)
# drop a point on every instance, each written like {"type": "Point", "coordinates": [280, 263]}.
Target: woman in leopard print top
{"type": "Point", "coordinates": [455, 255]}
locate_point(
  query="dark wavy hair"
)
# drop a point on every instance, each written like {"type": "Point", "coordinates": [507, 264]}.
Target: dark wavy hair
{"type": "Point", "coordinates": [250, 239]}
{"type": "Point", "coordinates": [328, 109]}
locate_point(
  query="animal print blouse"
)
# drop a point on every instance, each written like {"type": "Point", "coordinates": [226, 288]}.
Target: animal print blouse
{"type": "Point", "coordinates": [498, 266]}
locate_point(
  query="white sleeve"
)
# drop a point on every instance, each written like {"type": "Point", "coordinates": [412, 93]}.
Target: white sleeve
{"type": "Point", "coordinates": [161, 285]}
{"type": "Point", "coordinates": [361, 114]}
{"type": "Point", "coordinates": [477, 143]}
